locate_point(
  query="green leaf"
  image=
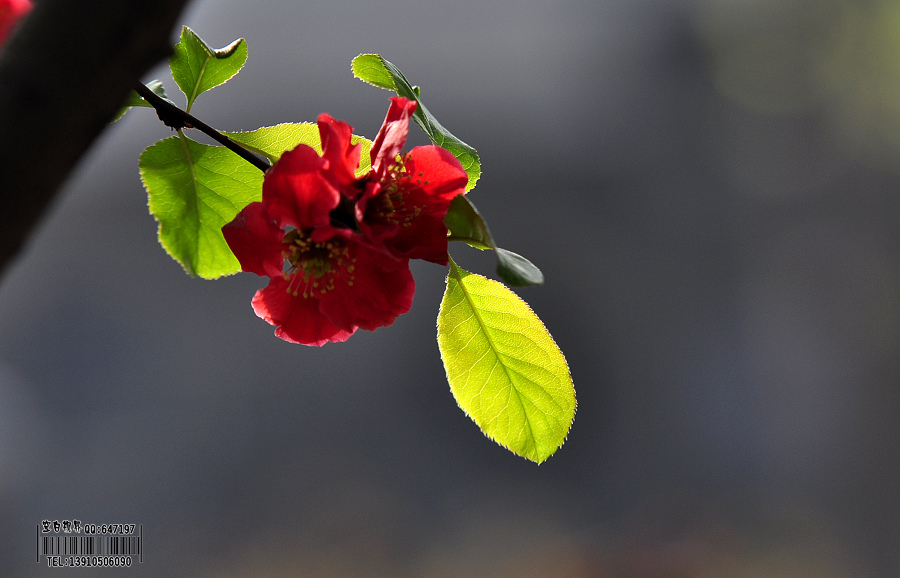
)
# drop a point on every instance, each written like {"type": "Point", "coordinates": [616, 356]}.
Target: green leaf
{"type": "Point", "coordinates": [271, 141]}
{"type": "Point", "coordinates": [193, 190]}
{"type": "Point", "coordinates": [516, 269]}
{"type": "Point", "coordinates": [504, 368]}
{"type": "Point", "coordinates": [370, 68]}
{"type": "Point", "coordinates": [197, 68]}
{"type": "Point", "coordinates": [134, 99]}
{"type": "Point", "coordinates": [466, 224]}
{"type": "Point", "coordinates": [375, 70]}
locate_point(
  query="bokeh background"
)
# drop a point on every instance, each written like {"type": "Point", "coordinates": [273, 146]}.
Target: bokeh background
{"type": "Point", "coordinates": [712, 189]}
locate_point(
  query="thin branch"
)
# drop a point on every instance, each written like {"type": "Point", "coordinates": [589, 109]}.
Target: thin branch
{"type": "Point", "coordinates": [174, 117]}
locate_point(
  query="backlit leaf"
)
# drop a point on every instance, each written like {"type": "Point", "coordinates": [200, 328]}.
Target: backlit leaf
{"type": "Point", "coordinates": [271, 141]}
{"type": "Point", "coordinates": [370, 68]}
{"type": "Point", "coordinates": [197, 68]}
{"type": "Point", "coordinates": [193, 190]}
{"type": "Point", "coordinates": [504, 368]}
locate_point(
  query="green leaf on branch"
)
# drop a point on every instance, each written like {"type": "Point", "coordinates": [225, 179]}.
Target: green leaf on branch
{"type": "Point", "coordinates": [516, 269]}
{"type": "Point", "coordinates": [194, 189]}
{"type": "Point", "coordinates": [504, 368]}
{"type": "Point", "coordinates": [370, 68]}
{"type": "Point", "coordinates": [466, 224]}
{"type": "Point", "coordinates": [375, 70]}
{"type": "Point", "coordinates": [271, 141]}
{"type": "Point", "coordinates": [134, 99]}
{"type": "Point", "coordinates": [197, 68]}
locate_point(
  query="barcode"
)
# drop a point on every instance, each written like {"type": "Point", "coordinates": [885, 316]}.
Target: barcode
{"type": "Point", "coordinates": [91, 545]}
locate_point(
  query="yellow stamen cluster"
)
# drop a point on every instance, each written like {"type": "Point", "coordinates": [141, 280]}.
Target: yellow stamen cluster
{"type": "Point", "coordinates": [390, 205]}
{"type": "Point", "coordinates": [316, 267]}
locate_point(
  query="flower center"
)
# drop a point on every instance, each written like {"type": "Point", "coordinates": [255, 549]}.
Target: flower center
{"type": "Point", "coordinates": [390, 205]}
{"type": "Point", "coordinates": [315, 268]}
{"type": "Point", "coordinates": [342, 216]}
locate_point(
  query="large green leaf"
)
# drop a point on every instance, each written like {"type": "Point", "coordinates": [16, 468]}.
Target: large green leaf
{"type": "Point", "coordinates": [193, 190]}
{"type": "Point", "coordinates": [504, 368]}
{"type": "Point", "coordinates": [271, 141]}
{"type": "Point", "coordinates": [466, 224]}
{"type": "Point", "coordinates": [377, 71]}
{"type": "Point", "coordinates": [196, 67]}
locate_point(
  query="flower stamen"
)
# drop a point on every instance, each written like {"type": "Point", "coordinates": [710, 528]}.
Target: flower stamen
{"type": "Point", "coordinates": [313, 268]}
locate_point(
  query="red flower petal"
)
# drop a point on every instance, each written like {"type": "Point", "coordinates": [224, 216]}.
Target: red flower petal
{"type": "Point", "coordinates": [442, 176]}
{"type": "Point", "coordinates": [392, 135]}
{"type": "Point", "coordinates": [411, 222]}
{"type": "Point", "coordinates": [425, 238]}
{"type": "Point", "coordinates": [297, 319]}
{"type": "Point", "coordinates": [342, 157]}
{"type": "Point", "coordinates": [296, 192]}
{"type": "Point", "coordinates": [256, 241]}
{"type": "Point", "coordinates": [373, 293]}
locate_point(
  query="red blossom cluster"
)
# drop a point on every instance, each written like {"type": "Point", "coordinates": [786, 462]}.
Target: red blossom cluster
{"type": "Point", "coordinates": [336, 247]}
{"type": "Point", "coordinates": [11, 11]}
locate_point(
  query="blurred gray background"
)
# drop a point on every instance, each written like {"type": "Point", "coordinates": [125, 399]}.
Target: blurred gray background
{"type": "Point", "coordinates": [712, 191]}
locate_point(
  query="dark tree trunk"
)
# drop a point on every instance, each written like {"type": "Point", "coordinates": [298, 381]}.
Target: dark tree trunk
{"type": "Point", "coordinates": [63, 76]}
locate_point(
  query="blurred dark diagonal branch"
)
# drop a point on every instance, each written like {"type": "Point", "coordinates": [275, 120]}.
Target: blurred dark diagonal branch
{"type": "Point", "coordinates": [63, 76]}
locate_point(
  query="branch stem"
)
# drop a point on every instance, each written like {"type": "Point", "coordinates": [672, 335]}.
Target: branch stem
{"type": "Point", "coordinates": [174, 117]}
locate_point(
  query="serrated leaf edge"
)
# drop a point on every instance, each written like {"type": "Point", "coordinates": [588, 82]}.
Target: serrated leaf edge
{"type": "Point", "coordinates": [188, 264]}
{"type": "Point", "coordinates": [188, 268]}
{"type": "Point", "coordinates": [455, 272]}
{"type": "Point", "coordinates": [381, 60]}
{"type": "Point", "coordinates": [217, 53]}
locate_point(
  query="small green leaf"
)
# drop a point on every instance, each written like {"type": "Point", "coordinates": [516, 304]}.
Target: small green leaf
{"type": "Point", "coordinates": [271, 141]}
{"type": "Point", "coordinates": [375, 70]}
{"type": "Point", "coordinates": [197, 68]}
{"type": "Point", "coordinates": [193, 190]}
{"type": "Point", "coordinates": [466, 224]}
{"type": "Point", "coordinates": [516, 269]}
{"type": "Point", "coordinates": [134, 99]}
{"type": "Point", "coordinates": [504, 368]}
{"type": "Point", "coordinates": [370, 68]}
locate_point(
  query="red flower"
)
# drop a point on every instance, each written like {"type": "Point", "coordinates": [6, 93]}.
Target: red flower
{"type": "Point", "coordinates": [407, 197]}
{"type": "Point", "coordinates": [325, 283]}
{"type": "Point", "coordinates": [336, 248]}
{"type": "Point", "coordinates": [11, 11]}
{"type": "Point", "coordinates": [331, 288]}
